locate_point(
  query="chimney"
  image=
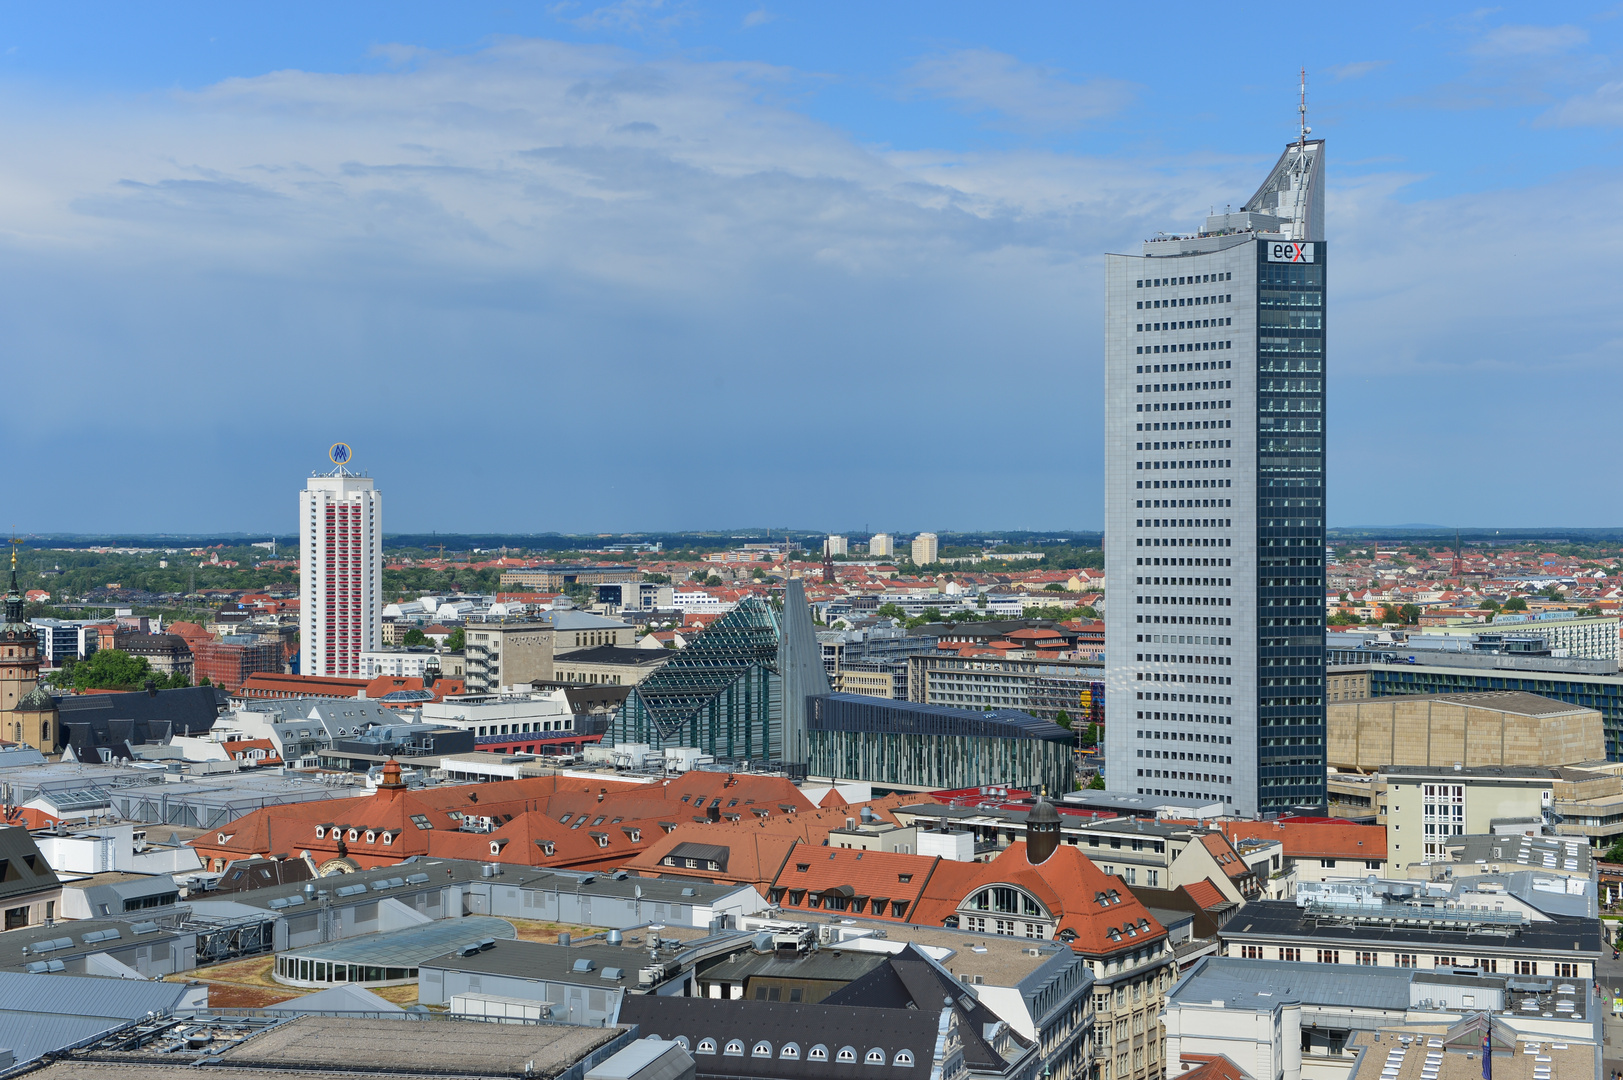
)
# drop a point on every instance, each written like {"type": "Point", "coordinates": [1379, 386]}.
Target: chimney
{"type": "Point", "coordinates": [152, 687]}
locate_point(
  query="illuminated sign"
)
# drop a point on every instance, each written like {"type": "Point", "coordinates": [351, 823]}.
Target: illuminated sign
{"type": "Point", "coordinates": [1290, 251]}
{"type": "Point", "coordinates": [340, 453]}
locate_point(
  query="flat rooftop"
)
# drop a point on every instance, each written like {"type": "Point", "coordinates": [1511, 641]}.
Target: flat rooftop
{"type": "Point", "coordinates": [440, 1047]}
{"type": "Point", "coordinates": [1262, 985]}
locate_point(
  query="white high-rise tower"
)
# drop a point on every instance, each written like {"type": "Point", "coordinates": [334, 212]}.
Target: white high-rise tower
{"type": "Point", "coordinates": [1214, 515]}
{"type": "Point", "coordinates": [340, 570]}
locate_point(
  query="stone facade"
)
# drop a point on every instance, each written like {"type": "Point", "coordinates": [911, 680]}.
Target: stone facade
{"type": "Point", "coordinates": [1439, 730]}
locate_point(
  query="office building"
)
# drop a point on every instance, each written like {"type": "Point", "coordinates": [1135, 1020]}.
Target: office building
{"type": "Point", "coordinates": [506, 652]}
{"type": "Point", "coordinates": [926, 549]}
{"type": "Point", "coordinates": [559, 577]}
{"type": "Point", "coordinates": [882, 544]}
{"type": "Point", "coordinates": [229, 662]}
{"type": "Point", "coordinates": [340, 572]}
{"type": "Point", "coordinates": [1214, 505]}
{"type": "Point", "coordinates": [61, 640]}
{"type": "Point", "coordinates": [1042, 688]}
{"type": "Point", "coordinates": [1564, 633]}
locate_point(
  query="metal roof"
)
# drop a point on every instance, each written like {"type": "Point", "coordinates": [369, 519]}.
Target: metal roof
{"type": "Point", "coordinates": [43, 1013]}
{"type": "Point", "coordinates": [411, 946]}
{"type": "Point", "coordinates": [1263, 985]}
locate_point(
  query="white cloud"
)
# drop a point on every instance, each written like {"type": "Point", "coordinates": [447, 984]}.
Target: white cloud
{"type": "Point", "coordinates": [1505, 42]}
{"type": "Point", "coordinates": [646, 276]}
{"type": "Point", "coordinates": [984, 81]}
{"type": "Point", "coordinates": [758, 17]}
{"type": "Point", "coordinates": [1357, 70]}
{"type": "Point", "coordinates": [1601, 107]}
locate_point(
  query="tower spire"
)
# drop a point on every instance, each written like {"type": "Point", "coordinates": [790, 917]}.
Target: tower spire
{"type": "Point", "coordinates": [1301, 108]}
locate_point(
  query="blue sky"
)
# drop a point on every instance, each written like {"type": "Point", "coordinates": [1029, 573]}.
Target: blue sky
{"type": "Point", "coordinates": [576, 267]}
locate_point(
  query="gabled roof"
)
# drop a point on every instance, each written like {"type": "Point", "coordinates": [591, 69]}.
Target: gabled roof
{"type": "Point", "coordinates": [1205, 894]}
{"type": "Point", "coordinates": [870, 878]}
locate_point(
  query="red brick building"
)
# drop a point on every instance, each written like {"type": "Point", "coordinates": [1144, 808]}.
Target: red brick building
{"type": "Point", "coordinates": [227, 664]}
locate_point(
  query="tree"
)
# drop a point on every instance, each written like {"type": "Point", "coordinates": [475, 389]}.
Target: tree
{"type": "Point", "coordinates": [1088, 736]}
{"type": "Point", "coordinates": [1614, 853]}
{"type": "Point", "coordinates": [1410, 614]}
{"type": "Point", "coordinates": [890, 611]}
{"type": "Point", "coordinates": [1515, 603]}
{"type": "Point", "coordinates": [455, 641]}
{"type": "Point", "coordinates": [1097, 783]}
{"type": "Point", "coordinates": [714, 580]}
{"type": "Point", "coordinates": [413, 636]}
{"type": "Point", "coordinates": [659, 579]}
{"type": "Point", "coordinates": [1063, 719]}
{"type": "Point", "coordinates": [111, 669]}
{"type": "Point", "coordinates": [1344, 618]}
{"type": "Point", "coordinates": [1054, 586]}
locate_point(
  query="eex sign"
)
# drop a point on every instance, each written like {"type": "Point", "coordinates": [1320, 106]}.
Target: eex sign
{"type": "Point", "coordinates": [1290, 251]}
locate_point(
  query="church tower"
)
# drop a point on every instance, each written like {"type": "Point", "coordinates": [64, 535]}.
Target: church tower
{"type": "Point", "coordinates": [27, 712]}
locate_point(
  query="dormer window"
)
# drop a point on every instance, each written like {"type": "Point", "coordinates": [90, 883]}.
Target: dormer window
{"type": "Point", "coordinates": [847, 1055]}
{"type": "Point", "coordinates": [903, 1059]}
{"type": "Point", "coordinates": [790, 1052]}
{"type": "Point", "coordinates": [762, 1049]}
{"type": "Point", "coordinates": [388, 839]}
{"type": "Point", "coordinates": [321, 832]}
{"type": "Point", "coordinates": [817, 1053]}
{"type": "Point", "coordinates": [876, 1056]}
{"type": "Point", "coordinates": [371, 836]}
{"type": "Point", "coordinates": [354, 834]}
{"type": "Point", "coordinates": [706, 1046]}
{"type": "Point", "coordinates": [734, 1048]}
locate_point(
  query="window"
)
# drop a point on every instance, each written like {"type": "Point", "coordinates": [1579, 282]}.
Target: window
{"type": "Point", "coordinates": [1562, 971]}
{"type": "Point", "coordinates": [1367, 959]}
{"type": "Point", "coordinates": [1444, 961]}
{"type": "Point", "coordinates": [904, 1059]}
{"type": "Point", "coordinates": [1290, 954]}
{"type": "Point", "coordinates": [1526, 967]}
{"type": "Point", "coordinates": [1251, 952]}
{"type": "Point", "coordinates": [847, 1055]}
{"type": "Point", "coordinates": [1328, 864]}
{"type": "Point", "coordinates": [817, 1053]}
{"type": "Point", "coordinates": [790, 1052]}
{"type": "Point", "coordinates": [1404, 959]}
{"type": "Point", "coordinates": [734, 1048]}
{"type": "Point", "coordinates": [762, 1049]}
{"type": "Point", "coordinates": [707, 1046]}
{"type": "Point", "coordinates": [875, 1056]}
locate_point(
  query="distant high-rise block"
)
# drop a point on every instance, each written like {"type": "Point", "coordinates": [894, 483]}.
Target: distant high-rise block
{"type": "Point", "coordinates": [340, 572]}
{"type": "Point", "coordinates": [1214, 504]}
{"type": "Point", "coordinates": [834, 545]}
{"type": "Point", "coordinates": [925, 549]}
{"type": "Point", "coordinates": [882, 544]}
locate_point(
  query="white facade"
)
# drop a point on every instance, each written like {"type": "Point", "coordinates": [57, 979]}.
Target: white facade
{"type": "Point", "coordinates": [398, 663]}
{"type": "Point", "coordinates": [1218, 665]}
{"type": "Point", "coordinates": [834, 545]}
{"type": "Point", "coordinates": [340, 573]}
{"type": "Point", "coordinates": [503, 714]}
{"type": "Point", "coordinates": [882, 544]}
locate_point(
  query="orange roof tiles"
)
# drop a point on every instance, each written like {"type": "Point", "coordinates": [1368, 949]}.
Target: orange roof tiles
{"type": "Point", "coordinates": [1314, 840]}
{"type": "Point", "coordinates": [878, 884]}
{"type": "Point", "coordinates": [1205, 894]}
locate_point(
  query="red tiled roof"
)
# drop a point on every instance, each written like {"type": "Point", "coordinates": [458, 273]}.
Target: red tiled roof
{"type": "Point", "coordinates": [1226, 856]}
{"type": "Point", "coordinates": [813, 878]}
{"type": "Point", "coordinates": [1211, 1067]}
{"type": "Point", "coordinates": [1205, 894]}
{"type": "Point", "coordinates": [1085, 901]}
{"type": "Point", "coordinates": [1314, 840]}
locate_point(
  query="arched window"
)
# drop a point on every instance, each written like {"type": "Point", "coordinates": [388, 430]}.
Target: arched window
{"type": "Point", "coordinates": [682, 1041]}
{"type": "Point", "coordinates": [790, 1052]}
{"type": "Point", "coordinates": [707, 1046]}
{"type": "Point", "coordinates": [817, 1053]}
{"type": "Point", "coordinates": [847, 1055]}
{"type": "Point", "coordinates": [904, 1058]}
{"type": "Point", "coordinates": [876, 1056]}
{"type": "Point", "coordinates": [762, 1049]}
{"type": "Point", "coordinates": [735, 1048]}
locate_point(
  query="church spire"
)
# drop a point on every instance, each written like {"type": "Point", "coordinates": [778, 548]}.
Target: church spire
{"type": "Point", "coordinates": [14, 598]}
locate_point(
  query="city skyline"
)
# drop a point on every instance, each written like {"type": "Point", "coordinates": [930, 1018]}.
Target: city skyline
{"type": "Point", "coordinates": [214, 216]}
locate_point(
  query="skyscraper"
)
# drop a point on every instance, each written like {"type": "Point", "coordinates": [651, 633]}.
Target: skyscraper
{"type": "Point", "coordinates": [340, 570]}
{"type": "Point", "coordinates": [1214, 515]}
{"type": "Point", "coordinates": [926, 548]}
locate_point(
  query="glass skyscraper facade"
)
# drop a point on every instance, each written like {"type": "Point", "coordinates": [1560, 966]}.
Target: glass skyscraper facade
{"type": "Point", "coordinates": [1214, 516]}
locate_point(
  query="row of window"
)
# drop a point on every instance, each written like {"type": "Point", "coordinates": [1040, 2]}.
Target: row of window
{"type": "Point", "coordinates": [1370, 958]}
{"type": "Point", "coordinates": [847, 1055]}
{"type": "Point", "coordinates": [1192, 279]}
{"type": "Point", "coordinates": [1193, 718]}
{"type": "Point", "coordinates": [1184, 523]}
{"type": "Point", "coordinates": [1187, 346]}
{"type": "Point", "coordinates": [1186, 620]}
{"type": "Point", "coordinates": [1187, 463]}
{"type": "Point", "coordinates": [1188, 301]}
{"type": "Point", "coordinates": [1205, 365]}
{"type": "Point", "coordinates": [1190, 581]}
{"type": "Point", "coordinates": [1181, 324]}
{"type": "Point", "coordinates": [1158, 504]}
{"type": "Point", "coordinates": [1183, 387]}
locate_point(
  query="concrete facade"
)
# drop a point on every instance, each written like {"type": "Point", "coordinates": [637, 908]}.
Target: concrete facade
{"type": "Point", "coordinates": [1494, 728]}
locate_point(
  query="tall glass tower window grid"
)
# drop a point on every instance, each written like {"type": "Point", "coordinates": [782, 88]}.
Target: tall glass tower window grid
{"type": "Point", "coordinates": [1290, 320]}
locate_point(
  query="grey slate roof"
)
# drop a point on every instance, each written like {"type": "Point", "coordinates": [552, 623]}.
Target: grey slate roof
{"type": "Point", "coordinates": [833, 1027]}
{"type": "Point", "coordinates": [23, 870]}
